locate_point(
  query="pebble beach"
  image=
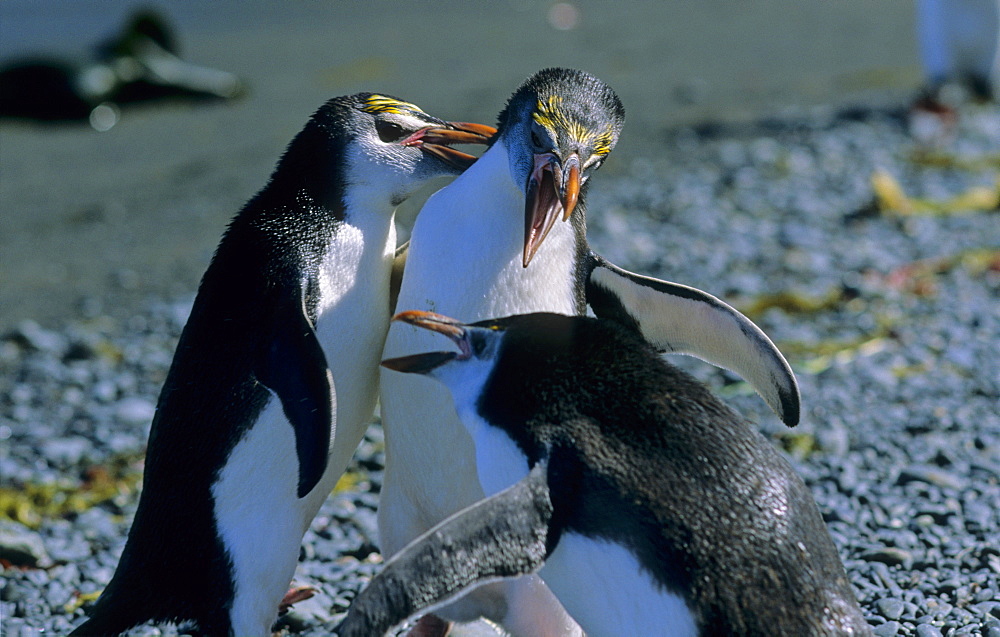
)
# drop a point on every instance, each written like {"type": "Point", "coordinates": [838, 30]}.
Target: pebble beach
{"type": "Point", "coordinates": [872, 260]}
{"type": "Point", "coordinates": [889, 317]}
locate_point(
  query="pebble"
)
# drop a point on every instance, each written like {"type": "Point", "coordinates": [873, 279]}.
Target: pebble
{"type": "Point", "coordinates": [889, 555]}
{"type": "Point", "coordinates": [21, 546]}
{"type": "Point", "coordinates": [890, 608]}
{"type": "Point", "coordinates": [888, 629]}
{"type": "Point", "coordinates": [927, 630]}
{"type": "Point", "coordinates": [135, 411]}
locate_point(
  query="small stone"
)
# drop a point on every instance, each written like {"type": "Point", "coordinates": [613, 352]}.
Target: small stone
{"type": "Point", "coordinates": [104, 391]}
{"type": "Point", "coordinates": [931, 475]}
{"type": "Point", "coordinates": [32, 335]}
{"type": "Point", "coordinates": [66, 451]}
{"type": "Point", "coordinates": [989, 608]}
{"type": "Point", "coordinates": [22, 547]}
{"type": "Point", "coordinates": [927, 630]}
{"type": "Point", "coordinates": [888, 629]}
{"type": "Point", "coordinates": [135, 411]}
{"type": "Point", "coordinates": [890, 608]}
{"type": "Point", "coordinates": [890, 556]}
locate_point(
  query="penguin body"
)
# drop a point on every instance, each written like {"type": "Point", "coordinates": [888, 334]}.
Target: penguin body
{"type": "Point", "coordinates": [275, 373]}
{"type": "Point", "coordinates": [643, 502]}
{"type": "Point", "coordinates": [490, 244]}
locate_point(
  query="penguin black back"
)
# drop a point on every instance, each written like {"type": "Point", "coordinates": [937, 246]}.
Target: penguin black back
{"type": "Point", "coordinates": [643, 455]}
{"type": "Point", "coordinates": [599, 443]}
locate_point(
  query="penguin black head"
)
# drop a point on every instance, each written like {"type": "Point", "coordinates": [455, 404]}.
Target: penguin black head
{"type": "Point", "coordinates": [387, 147]}
{"type": "Point", "coordinates": [558, 128]}
{"type": "Point", "coordinates": [537, 341]}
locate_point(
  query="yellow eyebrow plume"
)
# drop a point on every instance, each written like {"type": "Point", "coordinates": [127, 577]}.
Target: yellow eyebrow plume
{"type": "Point", "coordinates": [385, 104]}
{"type": "Point", "coordinates": [553, 118]}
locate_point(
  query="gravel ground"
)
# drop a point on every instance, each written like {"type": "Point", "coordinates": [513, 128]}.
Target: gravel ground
{"type": "Point", "coordinates": [891, 322]}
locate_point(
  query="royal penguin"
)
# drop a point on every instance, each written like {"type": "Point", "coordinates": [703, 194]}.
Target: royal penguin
{"type": "Point", "coordinates": [644, 503]}
{"type": "Point", "coordinates": [276, 372]}
{"type": "Point", "coordinates": [509, 237]}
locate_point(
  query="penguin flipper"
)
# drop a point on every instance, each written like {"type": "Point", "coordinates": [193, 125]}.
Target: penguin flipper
{"type": "Point", "coordinates": [684, 320]}
{"type": "Point", "coordinates": [294, 367]}
{"type": "Point", "coordinates": [505, 535]}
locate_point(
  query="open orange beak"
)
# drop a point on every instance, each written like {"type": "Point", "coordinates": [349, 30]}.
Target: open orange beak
{"type": "Point", "coordinates": [437, 141]}
{"type": "Point", "coordinates": [553, 190]}
{"type": "Point", "coordinates": [427, 362]}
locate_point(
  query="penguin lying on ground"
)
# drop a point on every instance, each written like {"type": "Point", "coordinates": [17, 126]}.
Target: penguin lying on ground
{"type": "Point", "coordinates": [646, 504]}
{"type": "Point", "coordinates": [476, 252]}
{"type": "Point", "coordinates": [276, 372]}
{"type": "Point", "coordinates": [140, 63]}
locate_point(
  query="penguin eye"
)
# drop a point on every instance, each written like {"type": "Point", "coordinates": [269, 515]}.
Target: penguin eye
{"type": "Point", "coordinates": [539, 139]}
{"type": "Point", "coordinates": [389, 132]}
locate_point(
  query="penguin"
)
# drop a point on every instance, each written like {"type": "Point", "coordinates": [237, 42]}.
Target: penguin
{"type": "Point", "coordinates": [276, 372]}
{"type": "Point", "coordinates": [644, 502]}
{"type": "Point", "coordinates": [509, 237]}
{"type": "Point", "coordinates": [960, 41]}
{"type": "Point", "coordinates": [140, 63]}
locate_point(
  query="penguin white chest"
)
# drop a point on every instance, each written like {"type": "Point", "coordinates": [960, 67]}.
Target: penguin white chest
{"type": "Point", "coordinates": [260, 475]}
{"type": "Point", "coordinates": [353, 317]}
{"type": "Point", "coordinates": [258, 513]}
{"type": "Point", "coordinates": [602, 586]}
{"type": "Point", "coordinates": [466, 250]}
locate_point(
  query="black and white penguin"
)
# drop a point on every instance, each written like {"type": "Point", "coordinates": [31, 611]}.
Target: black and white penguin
{"type": "Point", "coordinates": [276, 372]}
{"type": "Point", "coordinates": [490, 244]}
{"type": "Point", "coordinates": [646, 505]}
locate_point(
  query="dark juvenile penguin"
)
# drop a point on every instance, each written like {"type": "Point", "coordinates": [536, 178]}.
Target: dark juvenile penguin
{"type": "Point", "coordinates": [645, 504]}
{"type": "Point", "coordinates": [276, 372]}
{"type": "Point", "coordinates": [509, 237]}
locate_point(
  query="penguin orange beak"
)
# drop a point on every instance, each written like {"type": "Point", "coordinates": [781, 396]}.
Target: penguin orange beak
{"type": "Point", "coordinates": [425, 363]}
{"type": "Point", "coordinates": [437, 141]}
{"type": "Point", "coordinates": [553, 190]}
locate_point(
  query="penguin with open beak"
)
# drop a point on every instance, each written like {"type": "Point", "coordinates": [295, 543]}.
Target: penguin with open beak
{"type": "Point", "coordinates": [646, 504]}
{"type": "Point", "coordinates": [276, 372]}
{"type": "Point", "coordinates": [509, 237]}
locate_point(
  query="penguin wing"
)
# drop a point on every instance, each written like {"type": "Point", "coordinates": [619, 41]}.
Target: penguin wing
{"type": "Point", "coordinates": [294, 367]}
{"type": "Point", "coordinates": [684, 320]}
{"type": "Point", "coordinates": [505, 535]}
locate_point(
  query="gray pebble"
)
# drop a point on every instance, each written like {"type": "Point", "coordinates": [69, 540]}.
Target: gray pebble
{"type": "Point", "coordinates": [21, 546]}
{"type": "Point", "coordinates": [890, 556]}
{"type": "Point", "coordinates": [890, 608]}
{"type": "Point", "coordinates": [135, 411]}
{"type": "Point", "coordinates": [888, 629]}
{"type": "Point", "coordinates": [927, 630]}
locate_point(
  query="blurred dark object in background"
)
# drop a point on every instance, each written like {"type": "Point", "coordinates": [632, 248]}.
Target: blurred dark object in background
{"type": "Point", "coordinates": [139, 64]}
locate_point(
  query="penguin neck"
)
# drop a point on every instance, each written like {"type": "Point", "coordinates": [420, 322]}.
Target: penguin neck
{"type": "Point", "coordinates": [369, 211]}
{"type": "Point", "coordinates": [356, 263]}
{"type": "Point", "coordinates": [468, 242]}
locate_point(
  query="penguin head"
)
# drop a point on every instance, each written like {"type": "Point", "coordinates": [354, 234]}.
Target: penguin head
{"type": "Point", "coordinates": [534, 345]}
{"type": "Point", "coordinates": [380, 147]}
{"type": "Point", "coordinates": [558, 128]}
{"type": "Point", "coordinates": [464, 372]}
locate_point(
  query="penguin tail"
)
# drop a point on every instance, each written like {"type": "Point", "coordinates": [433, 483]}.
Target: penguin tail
{"type": "Point", "coordinates": [95, 627]}
{"type": "Point", "coordinates": [104, 621]}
